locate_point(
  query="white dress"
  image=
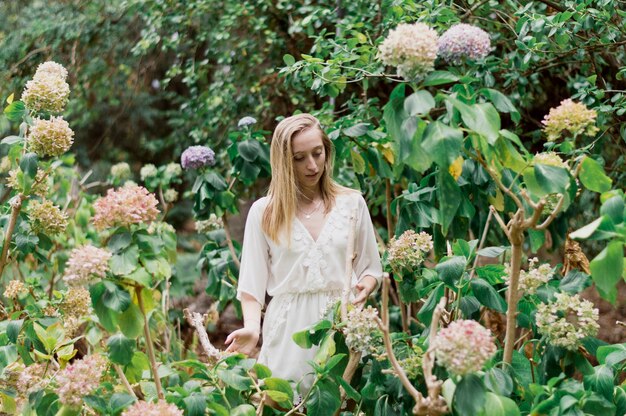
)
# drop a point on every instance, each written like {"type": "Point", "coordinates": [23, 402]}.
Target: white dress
{"type": "Point", "coordinates": [302, 278]}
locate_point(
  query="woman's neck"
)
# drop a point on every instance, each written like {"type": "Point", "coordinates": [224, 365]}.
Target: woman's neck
{"type": "Point", "coordinates": [310, 194]}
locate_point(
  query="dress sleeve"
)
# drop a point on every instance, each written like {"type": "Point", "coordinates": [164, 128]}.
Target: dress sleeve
{"type": "Point", "coordinates": [367, 262]}
{"type": "Point", "coordinates": [255, 258]}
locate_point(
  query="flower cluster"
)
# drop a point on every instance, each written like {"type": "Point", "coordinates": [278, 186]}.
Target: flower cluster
{"type": "Point", "coordinates": [77, 302]}
{"type": "Point", "coordinates": [130, 204]}
{"type": "Point", "coordinates": [39, 187]}
{"type": "Point", "coordinates": [50, 137]}
{"type": "Point", "coordinates": [464, 347]}
{"type": "Point", "coordinates": [567, 320]}
{"type": "Point", "coordinates": [31, 379]}
{"type": "Point", "coordinates": [47, 91]}
{"type": "Point", "coordinates": [408, 250]}
{"type": "Point", "coordinates": [46, 217]}
{"type": "Point", "coordinates": [79, 379]}
{"type": "Point", "coordinates": [170, 195]}
{"type": "Point", "coordinates": [196, 157]}
{"type": "Point", "coordinates": [173, 169]}
{"type": "Point", "coordinates": [5, 164]}
{"type": "Point", "coordinates": [550, 159]}
{"type": "Point", "coordinates": [148, 171]}
{"type": "Point", "coordinates": [463, 41]}
{"type": "Point", "coordinates": [411, 48]}
{"type": "Point", "coordinates": [213, 223]}
{"type": "Point", "coordinates": [85, 263]}
{"type": "Point", "coordinates": [14, 288]}
{"type": "Point", "coordinates": [570, 116]}
{"type": "Point", "coordinates": [532, 279]}
{"type": "Point", "coordinates": [160, 408]}
{"type": "Point", "coordinates": [412, 364]}
{"type": "Point", "coordinates": [121, 171]}
{"type": "Point", "coordinates": [362, 332]}
{"type": "Point", "coordinates": [246, 121]}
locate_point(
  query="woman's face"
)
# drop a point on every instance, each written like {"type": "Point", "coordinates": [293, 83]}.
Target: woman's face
{"type": "Point", "coordinates": [309, 157]}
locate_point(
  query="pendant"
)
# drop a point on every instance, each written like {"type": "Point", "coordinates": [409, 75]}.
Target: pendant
{"type": "Point", "coordinates": [307, 216]}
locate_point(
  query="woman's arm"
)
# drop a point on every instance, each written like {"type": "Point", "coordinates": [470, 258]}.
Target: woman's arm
{"type": "Point", "coordinates": [245, 340]}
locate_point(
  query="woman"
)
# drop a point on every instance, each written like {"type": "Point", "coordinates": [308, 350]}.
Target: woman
{"type": "Point", "coordinates": [294, 249]}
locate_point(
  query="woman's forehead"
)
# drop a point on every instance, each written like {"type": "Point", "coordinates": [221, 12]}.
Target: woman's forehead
{"type": "Point", "coordinates": [307, 140]}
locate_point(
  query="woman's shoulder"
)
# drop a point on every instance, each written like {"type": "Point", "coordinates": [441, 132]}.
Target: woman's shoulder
{"type": "Point", "coordinates": [349, 195]}
{"type": "Point", "coordinates": [259, 205]}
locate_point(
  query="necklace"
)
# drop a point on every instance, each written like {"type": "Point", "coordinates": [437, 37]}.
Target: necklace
{"type": "Point", "coordinates": [307, 215]}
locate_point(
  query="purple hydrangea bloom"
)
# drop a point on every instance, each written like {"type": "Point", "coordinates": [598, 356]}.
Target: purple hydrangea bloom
{"type": "Point", "coordinates": [463, 41]}
{"type": "Point", "coordinates": [196, 157]}
{"type": "Point", "coordinates": [246, 121]}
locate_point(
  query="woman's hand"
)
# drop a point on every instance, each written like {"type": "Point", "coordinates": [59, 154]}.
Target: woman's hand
{"type": "Point", "coordinates": [243, 340]}
{"type": "Point", "coordinates": [364, 288]}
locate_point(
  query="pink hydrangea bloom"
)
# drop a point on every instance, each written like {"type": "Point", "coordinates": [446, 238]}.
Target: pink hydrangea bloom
{"type": "Point", "coordinates": [463, 41]}
{"type": "Point", "coordinates": [86, 263]}
{"type": "Point", "coordinates": [411, 48]}
{"type": "Point", "coordinates": [571, 117]}
{"type": "Point", "coordinates": [130, 204]}
{"type": "Point", "coordinates": [464, 347]}
{"type": "Point", "coordinates": [79, 379]}
{"type": "Point", "coordinates": [161, 408]}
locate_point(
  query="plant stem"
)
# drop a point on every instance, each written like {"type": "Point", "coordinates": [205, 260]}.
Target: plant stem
{"type": "Point", "coordinates": [347, 283]}
{"type": "Point", "coordinates": [125, 382]}
{"type": "Point", "coordinates": [390, 228]}
{"type": "Point", "coordinates": [16, 206]}
{"type": "Point", "coordinates": [229, 241]}
{"type": "Point", "coordinates": [149, 345]}
{"type": "Point", "coordinates": [512, 299]}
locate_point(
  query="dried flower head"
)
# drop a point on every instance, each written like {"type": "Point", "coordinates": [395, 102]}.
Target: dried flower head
{"type": "Point", "coordinates": [46, 92]}
{"type": "Point", "coordinates": [362, 332]}
{"type": "Point", "coordinates": [50, 137]}
{"type": "Point", "coordinates": [412, 363]}
{"type": "Point", "coordinates": [5, 164]}
{"type": "Point", "coordinates": [173, 169]}
{"type": "Point", "coordinates": [76, 302]}
{"type": "Point", "coordinates": [572, 117]}
{"type": "Point", "coordinates": [567, 320]}
{"type": "Point", "coordinates": [550, 159]}
{"type": "Point", "coordinates": [31, 379]}
{"type": "Point", "coordinates": [79, 379]}
{"type": "Point", "coordinates": [463, 41]}
{"type": "Point", "coordinates": [85, 263]}
{"type": "Point", "coordinates": [170, 195]}
{"type": "Point", "coordinates": [121, 171]}
{"type": "Point", "coordinates": [46, 217]}
{"type": "Point", "coordinates": [408, 250]}
{"type": "Point", "coordinates": [160, 408]}
{"type": "Point", "coordinates": [52, 68]}
{"type": "Point", "coordinates": [39, 187]}
{"type": "Point", "coordinates": [196, 157]}
{"type": "Point", "coordinates": [14, 288]}
{"type": "Point", "coordinates": [532, 279]}
{"type": "Point", "coordinates": [246, 121]}
{"type": "Point", "coordinates": [130, 204]}
{"type": "Point", "coordinates": [464, 347]}
{"type": "Point", "coordinates": [411, 48]}
{"type": "Point", "coordinates": [213, 223]}
{"type": "Point", "coordinates": [148, 171]}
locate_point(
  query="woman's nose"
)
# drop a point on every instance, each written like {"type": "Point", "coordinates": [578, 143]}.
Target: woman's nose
{"type": "Point", "coordinates": [310, 164]}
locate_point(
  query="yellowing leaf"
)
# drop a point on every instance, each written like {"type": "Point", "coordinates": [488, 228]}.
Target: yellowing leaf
{"type": "Point", "coordinates": [456, 168]}
{"type": "Point", "coordinates": [497, 201]}
{"type": "Point", "coordinates": [10, 99]}
{"type": "Point", "coordinates": [387, 152]}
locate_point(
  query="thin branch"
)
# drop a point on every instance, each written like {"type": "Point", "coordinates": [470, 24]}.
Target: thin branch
{"type": "Point", "coordinates": [498, 218]}
{"type": "Point", "coordinates": [229, 241]}
{"type": "Point", "coordinates": [125, 382]}
{"type": "Point", "coordinates": [435, 403]}
{"type": "Point", "coordinates": [554, 5]}
{"type": "Point", "coordinates": [538, 210]}
{"type": "Point", "coordinates": [197, 322]}
{"type": "Point", "coordinates": [552, 215]}
{"type": "Point", "coordinates": [149, 345]}
{"type": "Point", "coordinates": [16, 206]}
{"type": "Point", "coordinates": [350, 254]}
{"type": "Point", "coordinates": [473, 9]}
{"type": "Point", "coordinates": [482, 242]}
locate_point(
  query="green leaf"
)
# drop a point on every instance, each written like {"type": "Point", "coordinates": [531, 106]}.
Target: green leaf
{"type": "Point", "coordinates": [350, 391]}
{"type": "Point", "coordinates": [611, 355]}
{"type": "Point", "coordinates": [443, 143]}
{"type": "Point", "coordinates": [469, 396]}
{"type": "Point", "coordinates": [141, 276]}
{"type": "Point", "coordinates": [15, 111]}
{"type": "Point", "coordinates": [282, 386]}
{"type": "Point", "coordinates": [11, 140]}
{"type": "Point", "coordinates": [249, 150]}
{"type": "Point", "coordinates": [420, 102]}
{"type": "Point", "coordinates": [439, 78]}
{"type": "Point", "coordinates": [607, 269]}
{"type": "Point", "coordinates": [326, 350]}
{"type": "Point", "coordinates": [593, 177]}
{"type": "Point", "coordinates": [449, 195]}
{"type": "Point", "coordinates": [13, 330]}
{"type": "Point", "coordinates": [243, 410]}
{"type": "Point", "coordinates": [487, 295]}
{"type": "Point", "coordinates": [97, 403]}
{"type": "Point", "coordinates": [451, 269]}
{"type": "Point", "coordinates": [115, 297]}
{"type": "Point", "coordinates": [120, 401]}
{"type": "Point", "coordinates": [28, 164]}
{"type": "Point", "coordinates": [358, 162]}
{"type": "Point", "coordinates": [498, 381]}
{"type": "Point", "coordinates": [119, 241]}
{"type": "Point", "coordinates": [601, 381]}
{"type": "Point", "coordinates": [551, 179]}
{"type": "Point", "coordinates": [492, 251]}
{"type": "Point", "coordinates": [502, 103]}
{"type": "Point", "coordinates": [120, 349]}
{"type": "Point", "coordinates": [574, 282]}
{"type": "Point", "coordinates": [131, 321]}
{"type": "Point", "coordinates": [620, 400]}
{"type": "Point", "coordinates": [481, 118]}
{"type": "Point", "coordinates": [288, 59]}
{"type": "Point", "coordinates": [496, 405]}
{"type": "Point", "coordinates": [324, 399]}
{"type": "Point", "coordinates": [195, 404]}
{"type": "Point", "coordinates": [125, 262]}
{"type": "Point", "coordinates": [586, 231]}
{"type": "Point", "coordinates": [235, 379]}
{"type": "Point", "coordinates": [357, 130]}
{"type": "Point", "coordinates": [614, 208]}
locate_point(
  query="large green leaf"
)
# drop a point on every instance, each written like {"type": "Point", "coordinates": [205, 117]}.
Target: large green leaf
{"type": "Point", "coordinates": [449, 195]}
{"type": "Point", "coordinates": [439, 78]}
{"type": "Point", "coordinates": [607, 269]}
{"type": "Point", "coordinates": [551, 179]}
{"type": "Point", "coordinates": [614, 208]}
{"type": "Point", "coordinates": [496, 405]}
{"type": "Point", "coordinates": [451, 269]}
{"type": "Point", "coordinates": [481, 118]}
{"type": "Point", "coordinates": [131, 321]}
{"type": "Point", "coordinates": [574, 282]}
{"type": "Point", "coordinates": [28, 164]}
{"type": "Point", "coordinates": [196, 404]}
{"type": "Point", "coordinates": [611, 355]}
{"type": "Point", "coordinates": [115, 297]}
{"type": "Point", "coordinates": [593, 177]}
{"type": "Point", "coordinates": [502, 103]}
{"type": "Point", "coordinates": [443, 143]}
{"type": "Point", "coordinates": [15, 111]}
{"type": "Point", "coordinates": [487, 295]}
{"type": "Point", "coordinates": [420, 102]}
{"type": "Point", "coordinates": [120, 349]}
{"type": "Point", "coordinates": [125, 262]}
{"type": "Point", "coordinates": [469, 396]}
{"type": "Point", "coordinates": [601, 381]}
{"type": "Point", "coordinates": [235, 379]}
{"type": "Point", "coordinates": [243, 410]}
{"type": "Point", "coordinates": [324, 399]}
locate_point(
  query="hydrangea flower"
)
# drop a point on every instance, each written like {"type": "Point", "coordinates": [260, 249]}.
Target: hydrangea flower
{"type": "Point", "coordinates": [76, 302]}
{"type": "Point", "coordinates": [411, 48]}
{"type": "Point", "coordinates": [572, 117]}
{"type": "Point", "coordinates": [148, 171]}
{"type": "Point", "coordinates": [14, 288]}
{"type": "Point", "coordinates": [5, 164]}
{"type": "Point", "coordinates": [171, 195]}
{"type": "Point", "coordinates": [362, 332]}
{"type": "Point", "coordinates": [463, 347]}
{"type": "Point", "coordinates": [85, 263]}
{"type": "Point", "coordinates": [79, 379]}
{"type": "Point", "coordinates": [463, 41]}
{"type": "Point", "coordinates": [246, 121]}
{"type": "Point", "coordinates": [31, 379]}
{"type": "Point", "coordinates": [47, 91]}
{"type": "Point", "coordinates": [531, 280]}
{"type": "Point", "coordinates": [408, 250]}
{"type": "Point", "coordinates": [550, 159]}
{"type": "Point", "coordinates": [160, 408]}
{"type": "Point", "coordinates": [567, 320]}
{"type": "Point", "coordinates": [196, 157]}
{"type": "Point", "coordinates": [130, 204]}
{"type": "Point", "coordinates": [173, 169]}
{"type": "Point", "coordinates": [46, 217]}
{"type": "Point", "coordinates": [39, 186]}
{"type": "Point", "coordinates": [412, 364]}
{"type": "Point", "coordinates": [50, 137]}
{"type": "Point", "coordinates": [121, 171]}
{"type": "Point", "coordinates": [213, 223]}
{"type": "Point", "coordinates": [52, 68]}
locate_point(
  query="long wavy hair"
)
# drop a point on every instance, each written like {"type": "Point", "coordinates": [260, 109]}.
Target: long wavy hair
{"type": "Point", "coordinates": [283, 191]}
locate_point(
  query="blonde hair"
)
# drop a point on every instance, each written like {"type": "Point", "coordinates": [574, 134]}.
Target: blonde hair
{"type": "Point", "coordinates": [283, 191]}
